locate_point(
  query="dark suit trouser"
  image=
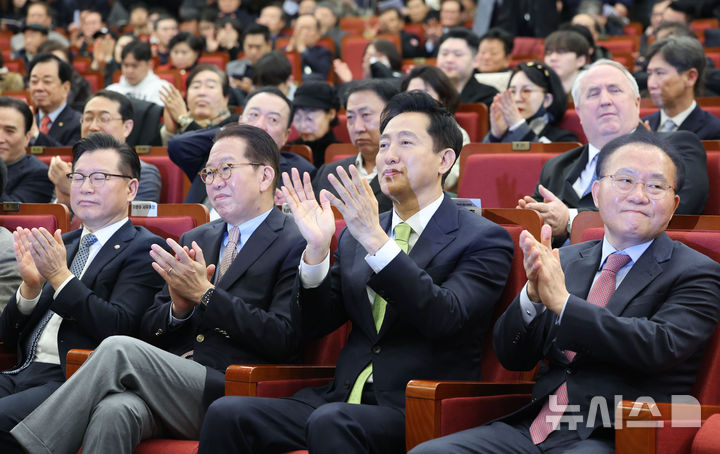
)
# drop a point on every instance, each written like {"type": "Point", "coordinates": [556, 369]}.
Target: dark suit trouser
{"type": "Point", "coordinates": [513, 437]}
{"type": "Point", "coordinates": [20, 394]}
{"type": "Point", "coordinates": [267, 425]}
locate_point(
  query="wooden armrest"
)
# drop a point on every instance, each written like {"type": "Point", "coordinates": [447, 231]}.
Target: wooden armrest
{"type": "Point", "coordinates": [242, 380]}
{"type": "Point", "coordinates": [423, 403]}
{"type": "Point", "coordinates": [636, 431]}
{"type": "Point", "coordinates": [75, 358]}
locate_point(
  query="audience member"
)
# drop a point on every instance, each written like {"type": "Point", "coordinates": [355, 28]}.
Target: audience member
{"type": "Point", "coordinates": [101, 286]}
{"type": "Point", "coordinates": [164, 28]}
{"type": "Point", "coordinates": [326, 14]}
{"type": "Point", "coordinates": [315, 59]}
{"type": "Point", "coordinates": [185, 50]}
{"type": "Point", "coordinates": [233, 9]}
{"type": "Point", "coordinates": [27, 179]}
{"type": "Point", "coordinates": [567, 52]}
{"type": "Point", "coordinates": [593, 28]}
{"type": "Point", "coordinates": [256, 44]}
{"type": "Point", "coordinates": [390, 22]}
{"type": "Point", "coordinates": [536, 18]}
{"type": "Point", "coordinates": [676, 70]}
{"type": "Point", "coordinates": [456, 55]}
{"type": "Point", "coordinates": [531, 107]}
{"type": "Point", "coordinates": [273, 18]}
{"type": "Point", "coordinates": [213, 312]}
{"type": "Point", "coordinates": [34, 36]}
{"type": "Point", "coordinates": [316, 106]}
{"type": "Point", "coordinates": [228, 32]}
{"type": "Point", "coordinates": [207, 102]}
{"type": "Point", "coordinates": [584, 313]}
{"type": "Point", "coordinates": [608, 104]}
{"type": "Point", "coordinates": [38, 13]}
{"type": "Point", "coordinates": [381, 60]}
{"type": "Point", "coordinates": [494, 51]}
{"type": "Point", "coordinates": [111, 113]}
{"type": "Point", "coordinates": [274, 70]}
{"type": "Point", "coordinates": [139, 20]}
{"type": "Point", "coordinates": [10, 278]}
{"type": "Point", "coordinates": [108, 64]}
{"type": "Point", "coordinates": [91, 21]}
{"type": "Point", "coordinates": [80, 88]}
{"type": "Point", "coordinates": [417, 11]}
{"type": "Point", "coordinates": [138, 79]}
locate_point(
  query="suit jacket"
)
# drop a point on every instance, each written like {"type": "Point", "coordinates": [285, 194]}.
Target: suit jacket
{"type": "Point", "coordinates": [64, 132]}
{"type": "Point", "coordinates": [704, 124]}
{"type": "Point", "coordinates": [474, 91]}
{"type": "Point", "coordinates": [648, 341]}
{"type": "Point", "coordinates": [10, 278]}
{"type": "Point", "coordinates": [251, 317]}
{"type": "Point", "coordinates": [440, 300]}
{"type": "Point", "coordinates": [110, 299]}
{"type": "Point", "coordinates": [560, 172]}
{"type": "Point", "coordinates": [316, 63]}
{"type": "Point", "coordinates": [524, 133]}
{"type": "Point", "coordinates": [146, 123]}
{"type": "Point", "coordinates": [320, 181]}
{"type": "Point", "coordinates": [190, 152]}
{"type": "Point", "coordinates": [27, 182]}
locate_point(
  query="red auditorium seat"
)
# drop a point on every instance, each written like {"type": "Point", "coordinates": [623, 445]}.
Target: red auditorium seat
{"type": "Point", "coordinates": [52, 216]}
{"type": "Point", "coordinates": [173, 219]}
{"type": "Point", "coordinates": [173, 178]}
{"type": "Point", "coordinates": [571, 122]}
{"type": "Point", "coordinates": [473, 118]}
{"type": "Point", "coordinates": [713, 168]}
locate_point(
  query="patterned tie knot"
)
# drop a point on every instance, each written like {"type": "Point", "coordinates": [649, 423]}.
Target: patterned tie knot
{"type": "Point", "coordinates": [230, 252]}
{"type": "Point", "coordinates": [234, 235]}
{"type": "Point", "coordinates": [45, 124]}
{"type": "Point", "coordinates": [616, 261]}
{"type": "Point", "coordinates": [402, 235]}
{"type": "Point", "coordinates": [88, 240]}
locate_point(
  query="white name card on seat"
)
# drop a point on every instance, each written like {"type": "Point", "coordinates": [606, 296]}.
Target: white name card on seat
{"type": "Point", "coordinates": [472, 205]}
{"type": "Point", "coordinates": [140, 208]}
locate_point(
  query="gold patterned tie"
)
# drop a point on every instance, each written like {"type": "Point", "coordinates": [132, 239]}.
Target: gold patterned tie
{"type": "Point", "coordinates": [402, 235]}
{"type": "Point", "coordinates": [230, 252]}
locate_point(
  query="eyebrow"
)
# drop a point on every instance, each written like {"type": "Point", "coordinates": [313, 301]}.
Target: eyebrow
{"type": "Point", "coordinates": [656, 176]}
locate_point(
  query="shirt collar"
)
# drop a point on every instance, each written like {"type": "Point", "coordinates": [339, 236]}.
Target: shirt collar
{"type": "Point", "coordinates": [247, 228]}
{"type": "Point", "coordinates": [104, 234]}
{"type": "Point", "coordinates": [679, 118]}
{"type": "Point", "coordinates": [361, 168]}
{"type": "Point", "coordinates": [633, 251]}
{"type": "Point", "coordinates": [54, 114]}
{"type": "Point", "coordinates": [419, 220]}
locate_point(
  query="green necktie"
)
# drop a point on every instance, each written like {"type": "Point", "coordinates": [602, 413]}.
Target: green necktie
{"type": "Point", "coordinates": [402, 235]}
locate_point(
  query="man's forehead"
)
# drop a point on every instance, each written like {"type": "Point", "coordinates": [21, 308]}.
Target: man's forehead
{"type": "Point", "coordinates": [365, 100]}
{"type": "Point", "coordinates": [102, 104]}
{"type": "Point", "coordinates": [268, 102]}
{"type": "Point", "coordinates": [641, 158]}
{"type": "Point", "coordinates": [228, 149]}
{"type": "Point", "coordinates": [408, 123]}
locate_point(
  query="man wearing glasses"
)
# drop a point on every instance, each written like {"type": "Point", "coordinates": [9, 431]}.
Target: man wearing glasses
{"type": "Point", "coordinates": [628, 315]}
{"type": "Point", "coordinates": [228, 299]}
{"type": "Point", "coordinates": [77, 289]}
{"type": "Point", "coordinates": [112, 113]}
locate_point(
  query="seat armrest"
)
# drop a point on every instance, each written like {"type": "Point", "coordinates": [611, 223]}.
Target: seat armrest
{"type": "Point", "coordinates": [74, 359]}
{"type": "Point", "coordinates": [423, 403]}
{"type": "Point", "coordinates": [242, 380]}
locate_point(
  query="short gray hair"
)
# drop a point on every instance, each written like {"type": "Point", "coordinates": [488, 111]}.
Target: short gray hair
{"type": "Point", "coordinates": [602, 62]}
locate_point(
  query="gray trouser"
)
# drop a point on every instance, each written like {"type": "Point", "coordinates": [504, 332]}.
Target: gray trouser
{"type": "Point", "coordinates": [127, 391]}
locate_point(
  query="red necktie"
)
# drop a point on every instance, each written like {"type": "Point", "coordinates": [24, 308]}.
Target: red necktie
{"type": "Point", "coordinates": [549, 418]}
{"type": "Point", "coordinates": [45, 125]}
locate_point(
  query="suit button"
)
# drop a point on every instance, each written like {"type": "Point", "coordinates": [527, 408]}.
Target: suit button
{"type": "Point", "coordinates": [569, 371]}
{"type": "Point", "coordinates": [377, 349]}
{"type": "Point", "coordinates": [200, 338]}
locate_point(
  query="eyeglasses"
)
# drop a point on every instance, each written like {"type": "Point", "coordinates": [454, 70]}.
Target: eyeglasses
{"type": "Point", "coordinates": [97, 179]}
{"type": "Point", "coordinates": [524, 92]}
{"type": "Point", "coordinates": [655, 189]}
{"type": "Point", "coordinates": [207, 175]}
{"type": "Point", "coordinates": [101, 119]}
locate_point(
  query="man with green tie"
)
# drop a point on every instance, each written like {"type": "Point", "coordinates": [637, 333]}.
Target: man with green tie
{"type": "Point", "coordinates": [418, 284]}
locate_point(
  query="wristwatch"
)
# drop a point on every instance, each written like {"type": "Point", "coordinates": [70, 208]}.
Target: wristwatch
{"type": "Point", "coordinates": [205, 298]}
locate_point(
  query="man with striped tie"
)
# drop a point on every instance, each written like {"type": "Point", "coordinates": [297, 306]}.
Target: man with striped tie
{"type": "Point", "coordinates": [227, 300]}
{"type": "Point", "coordinates": [79, 288]}
{"type": "Point", "coordinates": [628, 315]}
{"type": "Point", "coordinates": [418, 283]}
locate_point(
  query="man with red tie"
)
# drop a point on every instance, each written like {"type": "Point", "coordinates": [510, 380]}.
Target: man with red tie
{"type": "Point", "coordinates": [627, 315]}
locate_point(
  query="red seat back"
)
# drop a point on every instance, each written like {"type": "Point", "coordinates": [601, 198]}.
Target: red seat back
{"type": "Point", "coordinates": [571, 122]}
{"type": "Point", "coordinates": [12, 222]}
{"type": "Point", "coordinates": [172, 178]}
{"type": "Point", "coordinates": [713, 168]}
{"type": "Point", "coordinates": [166, 226]}
{"type": "Point", "coordinates": [340, 129]}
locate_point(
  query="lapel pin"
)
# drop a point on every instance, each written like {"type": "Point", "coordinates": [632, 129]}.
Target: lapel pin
{"type": "Point", "coordinates": [117, 246]}
{"type": "Point", "coordinates": [60, 124]}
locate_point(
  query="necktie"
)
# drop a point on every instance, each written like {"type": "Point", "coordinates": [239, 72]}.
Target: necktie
{"type": "Point", "coordinates": [45, 124]}
{"type": "Point", "coordinates": [668, 126]}
{"type": "Point", "coordinates": [402, 236]}
{"type": "Point", "coordinates": [549, 419]}
{"type": "Point", "coordinates": [76, 268]}
{"type": "Point", "coordinates": [230, 251]}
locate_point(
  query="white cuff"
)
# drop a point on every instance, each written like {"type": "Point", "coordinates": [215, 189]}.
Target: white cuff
{"type": "Point", "coordinates": [516, 125]}
{"type": "Point", "coordinates": [530, 309]}
{"type": "Point", "coordinates": [26, 306]}
{"type": "Point", "coordinates": [383, 256]}
{"type": "Point", "coordinates": [311, 276]}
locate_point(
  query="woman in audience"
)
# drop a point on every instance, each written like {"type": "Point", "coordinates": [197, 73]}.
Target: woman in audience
{"type": "Point", "coordinates": [316, 104]}
{"type": "Point", "coordinates": [207, 100]}
{"type": "Point", "coordinates": [436, 83]}
{"type": "Point", "coordinates": [531, 107]}
{"type": "Point", "coordinates": [185, 50]}
{"type": "Point", "coordinates": [381, 60]}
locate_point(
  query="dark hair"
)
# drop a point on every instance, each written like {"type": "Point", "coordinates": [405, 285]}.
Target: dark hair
{"type": "Point", "coordinates": [65, 71]}
{"type": "Point", "coordinates": [642, 137]}
{"type": "Point", "coordinates": [20, 106]}
{"type": "Point", "coordinates": [126, 109]}
{"type": "Point", "coordinates": [195, 43]}
{"type": "Point", "coordinates": [682, 53]}
{"type": "Point", "coordinates": [500, 34]}
{"type": "Point", "coordinates": [439, 81]}
{"type": "Point", "coordinates": [221, 22]}
{"type": "Point", "coordinates": [443, 129]}
{"type": "Point", "coordinates": [140, 50]}
{"type": "Point", "coordinates": [388, 49]}
{"type": "Point", "coordinates": [459, 2]}
{"type": "Point", "coordinates": [544, 77]}
{"type": "Point", "coordinates": [273, 91]}
{"type": "Point", "coordinates": [163, 17]}
{"type": "Point", "coordinates": [392, 8]}
{"type": "Point", "coordinates": [583, 30]}
{"type": "Point", "coordinates": [676, 29]}
{"type": "Point", "coordinates": [212, 68]}
{"type": "Point", "coordinates": [272, 69]}
{"type": "Point", "coordinates": [45, 6]}
{"type": "Point", "coordinates": [466, 35]}
{"type": "Point", "coordinates": [685, 8]}
{"type": "Point", "coordinates": [384, 89]}
{"type": "Point", "coordinates": [567, 41]}
{"type": "Point", "coordinates": [257, 29]}
{"type": "Point", "coordinates": [208, 15]}
{"type": "Point", "coordinates": [51, 46]}
{"type": "Point", "coordinates": [129, 161]}
{"type": "Point", "coordinates": [260, 146]}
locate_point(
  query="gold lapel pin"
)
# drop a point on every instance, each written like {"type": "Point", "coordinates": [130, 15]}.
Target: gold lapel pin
{"type": "Point", "coordinates": [60, 124]}
{"type": "Point", "coordinates": [117, 246]}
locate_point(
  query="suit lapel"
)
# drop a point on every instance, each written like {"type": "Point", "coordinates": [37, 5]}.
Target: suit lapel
{"type": "Point", "coordinates": [114, 246]}
{"type": "Point", "coordinates": [581, 270]}
{"type": "Point", "coordinates": [573, 173]}
{"type": "Point", "coordinates": [255, 246]}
